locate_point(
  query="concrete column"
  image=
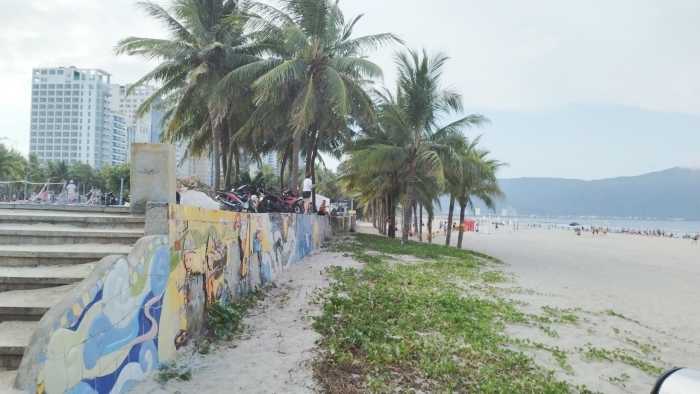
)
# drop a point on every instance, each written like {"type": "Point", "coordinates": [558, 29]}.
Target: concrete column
{"type": "Point", "coordinates": [152, 175]}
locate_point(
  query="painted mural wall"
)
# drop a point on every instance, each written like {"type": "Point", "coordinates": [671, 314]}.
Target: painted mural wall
{"type": "Point", "coordinates": [139, 313]}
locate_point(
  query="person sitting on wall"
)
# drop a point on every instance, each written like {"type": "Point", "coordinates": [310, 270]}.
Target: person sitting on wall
{"type": "Point", "coordinates": [322, 211]}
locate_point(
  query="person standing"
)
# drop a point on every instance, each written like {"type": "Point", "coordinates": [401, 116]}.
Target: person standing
{"type": "Point", "coordinates": [71, 192]}
{"type": "Point", "coordinates": [307, 187]}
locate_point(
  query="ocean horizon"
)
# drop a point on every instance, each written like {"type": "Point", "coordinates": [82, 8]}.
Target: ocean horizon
{"type": "Point", "coordinates": [672, 226]}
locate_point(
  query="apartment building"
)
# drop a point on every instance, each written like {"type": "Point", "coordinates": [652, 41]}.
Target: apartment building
{"type": "Point", "coordinates": [71, 119]}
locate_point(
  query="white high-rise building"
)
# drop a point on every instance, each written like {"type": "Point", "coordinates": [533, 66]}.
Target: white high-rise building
{"type": "Point", "coordinates": [71, 119]}
{"type": "Point", "coordinates": [138, 130]}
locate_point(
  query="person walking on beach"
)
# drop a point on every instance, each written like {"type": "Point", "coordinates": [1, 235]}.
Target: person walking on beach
{"type": "Point", "coordinates": [307, 187]}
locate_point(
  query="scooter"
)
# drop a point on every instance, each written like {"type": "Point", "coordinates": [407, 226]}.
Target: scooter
{"type": "Point", "coordinates": [294, 202]}
{"type": "Point", "coordinates": [238, 200]}
{"type": "Point", "coordinates": [272, 202]}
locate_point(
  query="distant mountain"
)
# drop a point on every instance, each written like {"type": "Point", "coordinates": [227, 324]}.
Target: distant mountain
{"type": "Point", "coordinates": [673, 193]}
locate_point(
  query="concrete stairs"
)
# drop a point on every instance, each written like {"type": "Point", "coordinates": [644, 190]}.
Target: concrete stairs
{"type": "Point", "coordinates": [44, 253]}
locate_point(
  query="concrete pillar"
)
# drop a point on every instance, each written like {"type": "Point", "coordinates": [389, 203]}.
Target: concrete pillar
{"type": "Point", "coordinates": [152, 175]}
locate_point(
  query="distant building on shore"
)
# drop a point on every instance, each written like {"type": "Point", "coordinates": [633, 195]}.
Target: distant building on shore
{"type": "Point", "coordinates": [71, 119]}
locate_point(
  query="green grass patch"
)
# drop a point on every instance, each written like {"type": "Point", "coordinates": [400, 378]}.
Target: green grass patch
{"type": "Point", "coordinates": [410, 327]}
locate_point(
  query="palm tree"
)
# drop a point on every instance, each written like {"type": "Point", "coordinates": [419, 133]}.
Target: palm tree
{"type": "Point", "coordinates": [475, 179]}
{"type": "Point", "coordinates": [318, 78]}
{"type": "Point", "coordinates": [36, 172]}
{"type": "Point", "coordinates": [57, 171]}
{"type": "Point", "coordinates": [422, 103]}
{"type": "Point", "coordinates": [83, 173]}
{"type": "Point", "coordinates": [12, 164]}
{"type": "Point", "coordinates": [200, 51]}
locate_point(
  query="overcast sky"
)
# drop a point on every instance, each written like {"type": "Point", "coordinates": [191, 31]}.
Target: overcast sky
{"type": "Point", "coordinates": [584, 89]}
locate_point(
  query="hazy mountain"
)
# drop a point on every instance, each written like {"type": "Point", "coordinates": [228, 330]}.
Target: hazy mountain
{"type": "Point", "coordinates": [673, 193]}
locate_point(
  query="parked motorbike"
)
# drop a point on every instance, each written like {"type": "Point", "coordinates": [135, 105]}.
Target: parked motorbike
{"type": "Point", "coordinates": [109, 199]}
{"type": "Point", "coordinates": [271, 202]}
{"type": "Point", "coordinates": [238, 200]}
{"type": "Point", "coordinates": [294, 202]}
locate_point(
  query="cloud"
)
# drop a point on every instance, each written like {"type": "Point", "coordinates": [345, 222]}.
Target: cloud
{"type": "Point", "coordinates": [691, 163]}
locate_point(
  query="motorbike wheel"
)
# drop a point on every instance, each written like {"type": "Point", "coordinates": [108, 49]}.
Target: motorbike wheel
{"type": "Point", "coordinates": [298, 208]}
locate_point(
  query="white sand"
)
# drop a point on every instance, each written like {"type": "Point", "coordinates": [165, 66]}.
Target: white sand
{"type": "Point", "coordinates": [275, 353]}
{"type": "Point", "coordinates": [655, 281]}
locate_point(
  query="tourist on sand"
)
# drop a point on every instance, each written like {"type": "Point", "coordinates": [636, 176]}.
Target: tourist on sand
{"type": "Point", "coordinates": [71, 192]}
{"type": "Point", "coordinates": [307, 187]}
{"type": "Point", "coordinates": [695, 239]}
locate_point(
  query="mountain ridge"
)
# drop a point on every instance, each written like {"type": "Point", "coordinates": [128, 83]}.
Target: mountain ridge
{"type": "Point", "coordinates": [668, 194]}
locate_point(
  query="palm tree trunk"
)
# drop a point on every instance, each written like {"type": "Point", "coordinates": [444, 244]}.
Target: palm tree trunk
{"type": "Point", "coordinates": [216, 137]}
{"type": "Point", "coordinates": [420, 223]}
{"type": "Point", "coordinates": [284, 164]}
{"type": "Point", "coordinates": [374, 213]}
{"type": "Point", "coordinates": [237, 163]}
{"type": "Point", "coordinates": [229, 160]}
{"type": "Point", "coordinates": [415, 218]}
{"type": "Point", "coordinates": [296, 147]}
{"type": "Point", "coordinates": [312, 168]}
{"type": "Point", "coordinates": [430, 228]}
{"type": "Point", "coordinates": [449, 221]}
{"type": "Point", "coordinates": [410, 183]}
{"type": "Point", "coordinates": [462, 208]}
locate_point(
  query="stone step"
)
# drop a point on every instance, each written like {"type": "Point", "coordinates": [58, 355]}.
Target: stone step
{"type": "Point", "coordinates": [30, 305]}
{"type": "Point", "coordinates": [7, 380]}
{"type": "Point", "coordinates": [65, 207]}
{"type": "Point", "coordinates": [52, 234]}
{"type": "Point", "coordinates": [75, 219]}
{"type": "Point", "coordinates": [36, 255]}
{"type": "Point", "coordinates": [14, 338]}
{"type": "Point", "coordinates": [27, 278]}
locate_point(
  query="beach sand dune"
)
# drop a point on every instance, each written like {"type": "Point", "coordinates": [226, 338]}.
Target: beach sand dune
{"type": "Point", "coordinates": [632, 297]}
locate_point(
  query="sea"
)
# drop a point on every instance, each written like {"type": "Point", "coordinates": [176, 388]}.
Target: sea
{"type": "Point", "coordinates": [675, 227]}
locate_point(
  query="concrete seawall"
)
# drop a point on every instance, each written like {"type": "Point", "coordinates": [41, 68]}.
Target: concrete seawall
{"type": "Point", "coordinates": [133, 313]}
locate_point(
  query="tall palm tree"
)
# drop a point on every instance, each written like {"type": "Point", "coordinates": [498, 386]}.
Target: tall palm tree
{"type": "Point", "coordinates": [200, 51]}
{"type": "Point", "coordinates": [318, 77]}
{"type": "Point", "coordinates": [422, 103]}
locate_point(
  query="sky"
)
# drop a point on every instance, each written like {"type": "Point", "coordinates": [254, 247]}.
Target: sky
{"type": "Point", "coordinates": [582, 89]}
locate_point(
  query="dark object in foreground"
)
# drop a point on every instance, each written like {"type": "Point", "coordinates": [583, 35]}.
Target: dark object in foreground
{"type": "Point", "coordinates": [678, 381]}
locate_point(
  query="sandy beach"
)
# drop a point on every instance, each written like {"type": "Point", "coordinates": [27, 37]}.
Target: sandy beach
{"type": "Point", "coordinates": [652, 282]}
{"type": "Point", "coordinates": [649, 284]}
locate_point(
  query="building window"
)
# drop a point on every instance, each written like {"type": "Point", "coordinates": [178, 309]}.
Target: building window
{"type": "Point", "coordinates": [52, 86]}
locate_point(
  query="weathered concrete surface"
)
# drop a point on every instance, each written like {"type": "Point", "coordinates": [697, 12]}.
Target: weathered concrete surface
{"type": "Point", "coordinates": [342, 224]}
{"type": "Point", "coordinates": [23, 278]}
{"type": "Point", "coordinates": [14, 337]}
{"type": "Point", "coordinates": [152, 175]}
{"type": "Point", "coordinates": [33, 255]}
{"type": "Point", "coordinates": [7, 381]}
{"type": "Point", "coordinates": [70, 208]}
{"type": "Point", "coordinates": [156, 218]}
{"type": "Point", "coordinates": [70, 218]}
{"type": "Point", "coordinates": [51, 234]}
{"type": "Point", "coordinates": [28, 305]}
